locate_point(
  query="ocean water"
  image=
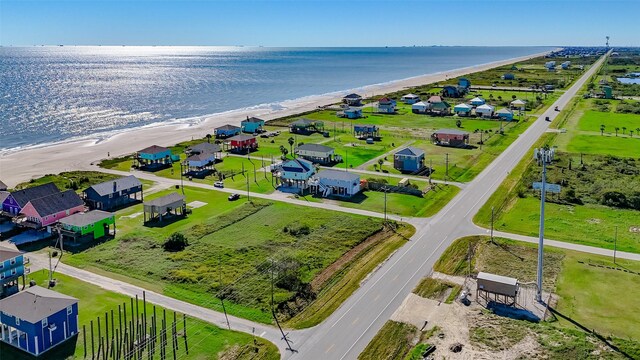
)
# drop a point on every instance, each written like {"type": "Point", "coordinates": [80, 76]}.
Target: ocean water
{"type": "Point", "coordinates": [51, 94]}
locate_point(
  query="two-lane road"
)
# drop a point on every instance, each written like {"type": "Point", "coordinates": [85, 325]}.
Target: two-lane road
{"type": "Point", "coordinates": [347, 332]}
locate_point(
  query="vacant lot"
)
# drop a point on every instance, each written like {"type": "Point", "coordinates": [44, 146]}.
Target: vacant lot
{"type": "Point", "coordinates": [234, 249]}
{"type": "Point", "coordinates": [206, 341]}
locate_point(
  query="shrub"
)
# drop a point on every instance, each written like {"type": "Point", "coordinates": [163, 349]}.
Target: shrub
{"type": "Point", "coordinates": [175, 242]}
{"type": "Point", "coordinates": [614, 199]}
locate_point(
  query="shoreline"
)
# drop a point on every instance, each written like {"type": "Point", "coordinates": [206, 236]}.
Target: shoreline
{"type": "Point", "coordinates": [80, 154]}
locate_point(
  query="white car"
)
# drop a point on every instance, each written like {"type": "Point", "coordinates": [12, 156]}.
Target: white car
{"type": "Point", "coordinates": [218, 184]}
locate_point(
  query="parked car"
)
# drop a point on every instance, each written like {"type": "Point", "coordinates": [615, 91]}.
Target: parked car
{"type": "Point", "coordinates": [556, 109]}
{"type": "Point", "coordinates": [218, 184]}
{"type": "Point", "coordinates": [547, 118]}
{"type": "Point", "coordinates": [234, 197]}
{"type": "Point", "coordinates": [369, 140]}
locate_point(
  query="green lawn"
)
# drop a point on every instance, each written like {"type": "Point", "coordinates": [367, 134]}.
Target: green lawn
{"type": "Point", "coordinates": [394, 341]}
{"type": "Point", "coordinates": [303, 241]}
{"type": "Point", "coordinates": [590, 224]}
{"type": "Point", "coordinates": [206, 341]}
{"type": "Point", "coordinates": [437, 290]}
{"type": "Point", "coordinates": [595, 144]}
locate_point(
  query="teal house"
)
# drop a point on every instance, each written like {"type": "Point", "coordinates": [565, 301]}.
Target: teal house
{"type": "Point", "coordinates": [155, 157]}
{"type": "Point", "coordinates": [505, 114]}
{"type": "Point", "coordinates": [11, 268]}
{"type": "Point", "coordinates": [252, 125]}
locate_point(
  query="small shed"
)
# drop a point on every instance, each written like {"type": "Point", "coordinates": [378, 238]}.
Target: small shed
{"type": "Point", "coordinates": [462, 109]}
{"type": "Point", "coordinates": [38, 319]}
{"type": "Point", "coordinates": [497, 285]}
{"type": "Point", "coordinates": [410, 99]}
{"type": "Point", "coordinates": [171, 204]}
{"type": "Point", "coordinates": [485, 111]}
{"type": "Point", "coordinates": [420, 107]}
{"type": "Point", "coordinates": [93, 224]}
{"type": "Point", "coordinates": [477, 101]}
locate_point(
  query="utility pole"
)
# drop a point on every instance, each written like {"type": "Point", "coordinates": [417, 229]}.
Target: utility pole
{"type": "Point", "coordinates": [248, 198]}
{"type": "Point", "coordinates": [222, 295]}
{"type": "Point", "coordinates": [430, 169]}
{"type": "Point", "coordinates": [385, 205]}
{"type": "Point", "coordinates": [446, 174]}
{"type": "Point", "coordinates": [181, 181]}
{"type": "Point", "coordinates": [273, 312]}
{"type": "Point", "coordinates": [615, 245]}
{"type": "Point", "coordinates": [492, 213]}
{"type": "Point", "coordinates": [543, 155]}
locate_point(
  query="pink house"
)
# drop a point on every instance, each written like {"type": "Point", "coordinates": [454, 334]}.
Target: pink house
{"type": "Point", "coordinates": [49, 209]}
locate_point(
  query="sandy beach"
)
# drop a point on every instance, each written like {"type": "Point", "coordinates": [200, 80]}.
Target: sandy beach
{"type": "Point", "coordinates": [26, 164]}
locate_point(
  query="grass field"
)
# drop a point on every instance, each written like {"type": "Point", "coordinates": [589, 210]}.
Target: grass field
{"type": "Point", "coordinates": [301, 241]}
{"type": "Point", "coordinates": [206, 341]}
{"type": "Point", "coordinates": [437, 290]}
{"type": "Point", "coordinates": [394, 341]}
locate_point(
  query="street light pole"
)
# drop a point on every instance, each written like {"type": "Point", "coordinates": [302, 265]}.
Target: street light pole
{"type": "Point", "coordinates": [615, 245]}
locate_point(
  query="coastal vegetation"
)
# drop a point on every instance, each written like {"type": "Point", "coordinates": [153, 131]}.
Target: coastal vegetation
{"type": "Point", "coordinates": [233, 251]}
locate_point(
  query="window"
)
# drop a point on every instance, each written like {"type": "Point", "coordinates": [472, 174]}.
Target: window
{"type": "Point", "coordinates": [1, 276]}
{"type": "Point", "coordinates": [14, 271]}
{"type": "Point", "coordinates": [17, 320]}
{"type": "Point", "coordinates": [12, 261]}
{"type": "Point", "coordinates": [69, 310]}
{"type": "Point", "coordinates": [45, 323]}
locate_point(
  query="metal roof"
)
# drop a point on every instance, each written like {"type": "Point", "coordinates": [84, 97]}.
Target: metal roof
{"type": "Point", "coordinates": [353, 96]}
{"type": "Point", "coordinates": [410, 150]}
{"type": "Point", "coordinates": [315, 147]}
{"type": "Point", "coordinates": [228, 127]}
{"type": "Point", "coordinates": [304, 122]}
{"type": "Point", "coordinates": [297, 164]}
{"type": "Point", "coordinates": [3, 186]}
{"type": "Point", "coordinates": [153, 149]}
{"type": "Point", "coordinates": [451, 132]}
{"type": "Point", "coordinates": [497, 278]}
{"type": "Point", "coordinates": [201, 156]}
{"type": "Point", "coordinates": [123, 183]}
{"type": "Point", "coordinates": [55, 203]}
{"type": "Point", "coordinates": [253, 120]}
{"type": "Point", "coordinates": [165, 200]}
{"type": "Point", "coordinates": [410, 96]}
{"type": "Point", "coordinates": [205, 147]}
{"type": "Point", "coordinates": [8, 251]}
{"type": "Point", "coordinates": [505, 111]}
{"type": "Point", "coordinates": [84, 219]}
{"type": "Point", "coordinates": [241, 137]}
{"type": "Point", "coordinates": [338, 175]}
{"type": "Point", "coordinates": [22, 197]}
{"type": "Point", "coordinates": [35, 303]}
{"type": "Point", "coordinates": [485, 106]}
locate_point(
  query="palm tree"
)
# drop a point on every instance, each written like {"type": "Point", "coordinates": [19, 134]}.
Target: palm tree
{"type": "Point", "coordinates": [458, 123]}
{"type": "Point", "coordinates": [617, 129]}
{"type": "Point", "coordinates": [631, 133]}
{"type": "Point", "coordinates": [601, 129]}
{"type": "Point", "coordinates": [380, 162]}
{"type": "Point", "coordinates": [208, 136]}
{"type": "Point", "coordinates": [623, 130]}
{"type": "Point", "coordinates": [291, 141]}
{"type": "Point", "coordinates": [375, 167]}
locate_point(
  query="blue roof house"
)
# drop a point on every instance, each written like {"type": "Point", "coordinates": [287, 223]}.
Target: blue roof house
{"type": "Point", "coordinates": [409, 159]}
{"type": "Point", "coordinates": [226, 131]}
{"type": "Point", "coordinates": [462, 109]}
{"type": "Point", "coordinates": [11, 268]}
{"type": "Point", "coordinates": [464, 82]}
{"type": "Point", "coordinates": [294, 175]}
{"type": "Point", "coordinates": [38, 319]}
{"type": "Point", "coordinates": [451, 91]}
{"type": "Point", "coordinates": [508, 76]}
{"type": "Point", "coordinates": [477, 101]}
{"type": "Point", "coordinates": [351, 113]}
{"type": "Point", "coordinates": [252, 125]}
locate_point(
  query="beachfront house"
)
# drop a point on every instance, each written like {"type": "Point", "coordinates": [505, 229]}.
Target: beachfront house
{"type": "Point", "coordinates": [47, 210]}
{"type": "Point", "coordinates": [477, 101]}
{"type": "Point", "coordinates": [154, 158]}
{"type": "Point", "coordinates": [352, 100]}
{"type": "Point", "coordinates": [508, 76]}
{"type": "Point", "coordinates": [241, 144]}
{"type": "Point", "coordinates": [450, 137]}
{"type": "Point", "coordinates": [11, 268]}
{"type": "Point", "coordinates": [485, 111]}
{"type": "Point", "coordinates": [350, 113]}
{"type": "Point", "coordinates": [111, 195]}
{"type": "Point", "coordinates": [199, 165]}
{"type": "Point", "coordinates": [420, 107]}
{"type": "Point", "coordinates": [410, 99]}
{"type": "Point", "coordinates": [565, 65]}
{"type": "Point", "coordinates": [440, 108]}
{"type": "Point", "coordinates": [318, 154]}
{"type": "Point", "coordinates": [462, 109]}
{"type": "Point", "coordinates": [505, 114]}
{"type": "Point", "coordinates": [306, 126]}
{"type": "Point", "coordinates": [252, 125]}
{"type": "Point", "coordinates": [18, 199]}
{"type": "Point", "coordinates": [518, 104]}
{"type": "Point", "coordinates": [293, 175]}
{"type": "Point", "coordinates": [464, 82]}
{"type": "Point", "coordinates": [386, 106]}
{"type": "Point", "coordinates": [226, 131]}
{"type": "Point", "coordinates": [38, 319]}
{"type": "Point", "coordinates": [170, 205]}
{"type": "Point", "coordinates": [365, 131]}
{"type": "Point", "coordinates": [550, 65]}
{"type": "Point", "coordinates": [87, 226]}
{"type": "Point", "coordinates": [335, 183]}
{"type": "Point", "coordinates": [452, 91]}
{"type": "Point", "coordinates": [409, 159]}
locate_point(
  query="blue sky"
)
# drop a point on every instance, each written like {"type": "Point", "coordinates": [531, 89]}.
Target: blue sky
{"type": "Point", "coordinates": [319, 23]}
